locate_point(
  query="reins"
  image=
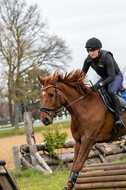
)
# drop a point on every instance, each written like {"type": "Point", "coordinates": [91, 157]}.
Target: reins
{"type": "Point", "coordinates": [78, 99]}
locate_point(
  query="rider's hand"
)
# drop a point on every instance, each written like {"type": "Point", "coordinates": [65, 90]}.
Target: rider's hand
{"type": "Point", "coordinates": [96, 87]}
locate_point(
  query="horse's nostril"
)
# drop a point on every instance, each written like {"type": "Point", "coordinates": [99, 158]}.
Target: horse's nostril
{"type": "Point", "coordinates": [46, 121]}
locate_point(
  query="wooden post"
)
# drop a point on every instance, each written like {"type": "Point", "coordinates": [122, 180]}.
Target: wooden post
{"type": "Point", "coordinates": [17, 162]}
{"type": "Point", "coordinates": [28, 123]}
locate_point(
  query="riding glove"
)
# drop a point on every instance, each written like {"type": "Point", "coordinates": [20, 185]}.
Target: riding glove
{"type": "Point", "coordinates": [96, 87]}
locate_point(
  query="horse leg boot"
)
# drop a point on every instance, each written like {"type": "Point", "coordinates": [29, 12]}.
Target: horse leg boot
{"type": "Point", "coordinates": [118, 115]}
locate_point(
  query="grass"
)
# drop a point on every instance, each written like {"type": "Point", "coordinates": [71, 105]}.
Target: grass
{"type": "Point", "coordinates": [29, 179]}
{"type": "Point", "coordinates": [21, 131]}
{"type": "Point", "coordinates": [32, 180]}
{"type": "Point", "coordinates": [122, 159]}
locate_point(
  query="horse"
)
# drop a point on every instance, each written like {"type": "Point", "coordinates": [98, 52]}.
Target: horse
{"type": "Point", "coordinates": [91, 121]}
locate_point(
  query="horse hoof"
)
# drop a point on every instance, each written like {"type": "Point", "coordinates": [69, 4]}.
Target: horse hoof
{"type": "Point", "coordinates": [64, 188]}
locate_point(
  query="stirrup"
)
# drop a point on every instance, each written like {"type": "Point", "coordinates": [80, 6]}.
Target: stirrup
{"type": "Point", "coordinates": [119, 124]}
{"type": "Point", "coordinates": [115, 135]}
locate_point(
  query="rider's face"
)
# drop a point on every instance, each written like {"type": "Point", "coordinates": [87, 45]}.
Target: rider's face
{"type": "Point", "coordinates": [94, 53]}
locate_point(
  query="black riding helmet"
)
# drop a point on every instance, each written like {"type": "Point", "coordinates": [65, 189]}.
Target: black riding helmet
{"type": "Point", "coordinates": [93, 44]}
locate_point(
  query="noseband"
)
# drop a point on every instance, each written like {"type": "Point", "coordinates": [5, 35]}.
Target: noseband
{"type": "Point", "coordinates": [54, 109]}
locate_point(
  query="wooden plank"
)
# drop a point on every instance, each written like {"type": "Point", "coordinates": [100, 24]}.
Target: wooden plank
{"type": "Point", "coordinates": [5, 183]}
{"type": "Point", "coordinates": [100, 185]}
{"type": "Point", "coordinates": [107, 164]}
{"type": "Point", "coordinates": [101, 179]}
{"type": "Point", "coordinates": [2, 170]}
{"type": "Point", "coordinates": [103, 173]}
{"type": "Point", "coordinates": [112, 167]}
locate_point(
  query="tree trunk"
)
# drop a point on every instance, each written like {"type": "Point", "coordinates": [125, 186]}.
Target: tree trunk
{"type": "Point", "coordinates": [10, 108]}
{"type": "Point", "coordinates": [16, 116]}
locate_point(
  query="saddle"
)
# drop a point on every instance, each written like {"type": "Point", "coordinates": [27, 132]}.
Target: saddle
{"type": "Point", "coordinates": [107, 99]}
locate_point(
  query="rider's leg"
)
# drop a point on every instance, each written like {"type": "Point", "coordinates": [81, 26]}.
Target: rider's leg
{"type": "Point", "coordinates": [113, 88]}
{"type": "Point", "coordinates": [118, 111]}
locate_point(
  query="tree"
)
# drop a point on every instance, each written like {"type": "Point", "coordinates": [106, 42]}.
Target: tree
{"type": "Point", "coordinates": [25, 45]}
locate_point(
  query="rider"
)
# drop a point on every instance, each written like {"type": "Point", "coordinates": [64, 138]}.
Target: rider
{"type": "Point", "coordinates": [104, 64]}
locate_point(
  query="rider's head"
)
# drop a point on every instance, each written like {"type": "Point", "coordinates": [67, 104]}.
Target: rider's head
{"type": "Point", "coordinates": [93, 44]}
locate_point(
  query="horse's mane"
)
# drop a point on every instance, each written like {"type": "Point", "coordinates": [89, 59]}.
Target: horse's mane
{"type": "Point", "coordinates": [75, 79]}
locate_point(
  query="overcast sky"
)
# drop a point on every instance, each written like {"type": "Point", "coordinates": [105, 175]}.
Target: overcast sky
{"type": "Point", "coordinates": [76, 21]}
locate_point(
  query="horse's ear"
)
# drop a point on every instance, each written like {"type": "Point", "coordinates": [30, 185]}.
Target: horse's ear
{"type": "Point", "coordinates": [40, 80]}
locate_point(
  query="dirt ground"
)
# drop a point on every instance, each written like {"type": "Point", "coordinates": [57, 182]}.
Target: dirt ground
{"type": "Point", "coordinates": [7, 143]}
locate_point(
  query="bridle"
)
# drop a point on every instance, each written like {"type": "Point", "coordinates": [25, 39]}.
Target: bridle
{"type": "Point", "coordinates": [54, 109]}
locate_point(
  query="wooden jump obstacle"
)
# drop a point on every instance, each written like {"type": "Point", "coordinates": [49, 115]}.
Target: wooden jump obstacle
{"type": "Point", "coordinates": [6, 180]}
{"type": "Point", "coordinates": [102, 176]}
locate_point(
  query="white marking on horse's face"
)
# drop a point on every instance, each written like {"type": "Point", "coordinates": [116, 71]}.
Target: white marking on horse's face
{"type": "Point", "coordinates": [43, 93]}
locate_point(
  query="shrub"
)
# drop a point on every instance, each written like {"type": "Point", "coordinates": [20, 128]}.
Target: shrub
{"type": "Point", "coordinates": [54, 139]}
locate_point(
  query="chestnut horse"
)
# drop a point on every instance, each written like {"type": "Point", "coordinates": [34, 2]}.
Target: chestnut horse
{"type": "Point", "coordinates": [91, 121]}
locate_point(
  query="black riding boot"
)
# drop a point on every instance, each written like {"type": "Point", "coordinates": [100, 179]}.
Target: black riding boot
{"type": "Point", "coordinates": [118, 114]}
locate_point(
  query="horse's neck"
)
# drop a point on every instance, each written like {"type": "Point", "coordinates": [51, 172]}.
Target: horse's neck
{"type": "Point", "coordinates": [74, 103]}
{"type": "Point", "coordinates": [69, 93]}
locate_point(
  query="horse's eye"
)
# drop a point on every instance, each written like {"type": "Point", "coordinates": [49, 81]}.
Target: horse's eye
{"type": "Point", "coordinates": [51, 95]}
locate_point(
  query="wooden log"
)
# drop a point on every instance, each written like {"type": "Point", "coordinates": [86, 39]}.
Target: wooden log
{"type": "Point", "coordinates": [110, 151]}
{"type": "Point", "coordinates": [67, 157]}
{"type": "Point", "coordinates": [40, 169]}
{"type": "Point", "coordinates": [105, 149]}
{"type": "Point", "coordinates": [25, 163]}
{"type": "Point", "coordinates": [101, 149]}
{"type": "Point", "coordinates": [101, 179]}
{"type": "Point", "coordinates": [42, 162]}
{"type": "Point", "coordinates": [100, 185]}
{"type": "Point", "coordinates": [17, 162]}
{"type": "Point", "coordinates": [41, 146]}
{"type": "Point", "coordinates": [102, 173]}
{"type": "Point", "coordinates": [117, 156]}
{"type": "Point", "coordinates": [28, 123]}
{"type": "Point", "coordinates": [93, 153]}
{"type": "Point", "coordinates": [112, 167]}
{"type": "Point", "coordinates": [108, 164]}
{"type": "Point", "coordinates": [102, 158]}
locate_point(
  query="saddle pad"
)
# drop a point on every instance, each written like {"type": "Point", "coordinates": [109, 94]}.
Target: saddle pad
{"type": "Point", "coordinates": [106, 101]}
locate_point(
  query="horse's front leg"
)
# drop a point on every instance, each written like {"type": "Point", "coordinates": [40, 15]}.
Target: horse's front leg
{"type": "Point", "coordinates": [86, 145]}
{"type": "Point", "coordinates": [76, 152]}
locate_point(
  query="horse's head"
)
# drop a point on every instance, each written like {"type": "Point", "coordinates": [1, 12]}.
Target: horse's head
{"type": "Point", "coordinates": [58, 90]}
{"type": "Point", "coordinates": [50, 102]}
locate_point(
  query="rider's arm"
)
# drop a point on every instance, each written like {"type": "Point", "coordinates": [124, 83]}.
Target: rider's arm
{"type": "Point", "coordinates": [85, 67]}
{"type": "Point", "coordinates": [110, 70]}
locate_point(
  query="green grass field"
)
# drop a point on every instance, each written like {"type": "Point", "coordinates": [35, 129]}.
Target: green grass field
{"type": "Point", "coordinates": [31, 180]}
